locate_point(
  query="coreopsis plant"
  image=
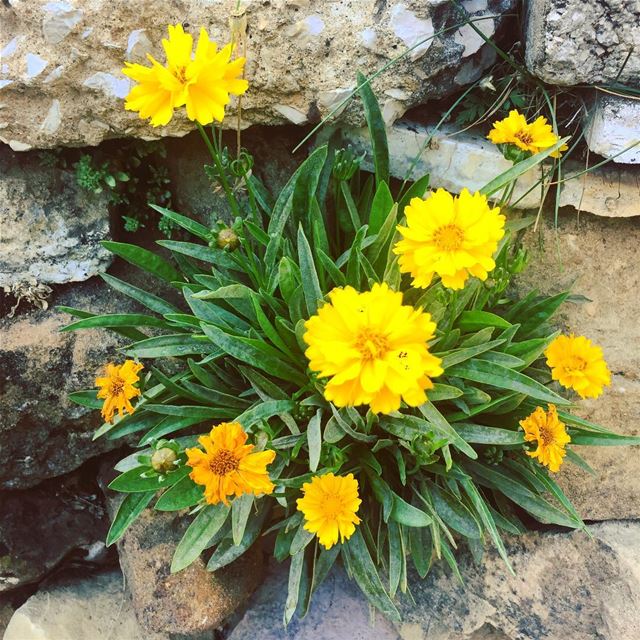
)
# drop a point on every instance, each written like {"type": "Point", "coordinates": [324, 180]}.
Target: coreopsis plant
{"type": "Point", "coordinates": [347, 374]}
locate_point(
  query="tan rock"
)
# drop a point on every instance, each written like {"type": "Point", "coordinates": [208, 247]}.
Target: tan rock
{"type": "Point", "coordinates": [61, 78]}
{"type": "Point", "coordinates": [598, 259]}
{"type": "Point", "coordinates": [191, 601]}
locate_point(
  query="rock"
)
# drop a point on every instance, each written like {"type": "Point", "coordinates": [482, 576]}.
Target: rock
{"type": "Point", "coordinates": [59, 520]}
{"type": "Point", "coordinates": [453, 162]}
{"type": "Point", "coordinates": [192, 601]}
{"type": "Point", "coordinates": [51, 228]}
{"type": "Point", "coordinates": [597, 258]}
{"type": "Point", "coordinates": [301, 56]}
{"type": "Point", "coordinates": [338, 610]}
{"type": "Point", "coordinates": [95, 607]}
{"type": "Point", "coordinates": [575, 42]}
{"type": "Point", "coordinates": [42, 433]}
{"type": "Point", "coordinates": [566, 585]}
{"type": "Point", "coordinates": [612, 128]}
{"type": "Point", "coordinates": [611, 190]}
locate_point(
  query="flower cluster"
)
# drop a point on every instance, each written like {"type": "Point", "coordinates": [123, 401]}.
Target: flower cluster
{"type": "Point", "coordinates": [200, 81]}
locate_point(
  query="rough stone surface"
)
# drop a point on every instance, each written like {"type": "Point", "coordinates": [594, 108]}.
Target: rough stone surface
{"type": "Point", "coordinates": [566, 586]}
{"type": "Point", "coordinates": [96, 608]}
{"type": "Point", "coordinates": [452, 161]}
{"type": "Point", "coordinates": [61, 519]}
{"type": "Point", "coordinates": [612, 125]}
{"type": "Point", "coordinates": [598, 258]}
{"type": "Point", "coordinates": [612, 191]}
{"type": "Point", "coordinates": [338, 611]}
{"type": "Point", "coordinates": [51, 228]}
{"type": "Point", "coordinates": [42, 433]}
{"type": "Point", "coordinates": [61, 82]}
{"type": "Point", "coordinates": [576, 42]}
{"type": "Point", "coordinates": [189, 602]}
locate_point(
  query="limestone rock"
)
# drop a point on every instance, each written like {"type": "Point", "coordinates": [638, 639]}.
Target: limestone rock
{"type": "Point", "coordinates": [612, 126]}
{"type": "Point", "coordinates": [42, 527]}
{"type": "Point", "coordinates": [452, 162]}
{"type": "Point", "coordinates": [51, 228]}
{"type": "Point", "coordinates": [598, 258]}
{"type": "Point", "coordinates": [62, 84]}
{"type": "Point", "coordinates": [42, 433]}
{"type": "Point", "coordinates": [338, 610]}
{"type": "Point", "coordinates": [192, 601]}
{"type": "Point", "coordinates": [96, 607]}
{"type": "Point", "coordinates": [576, 42]}
{"type": "Point", "coordinates": [566, 585]}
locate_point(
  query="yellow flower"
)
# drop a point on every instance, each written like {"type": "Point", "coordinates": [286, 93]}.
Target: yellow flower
{"type": "Point", "coordinates": [227, 465]}
{"type": "Point", "coordinates": [116, 388]}
{"type": "Point", "coordinates": [201, 82]}
{"type": "Point", "coordinates": [533, 137]}
{"type": "Point", "coordinates": [453, 237]}
{"type": "Point", "coordinates": [329, 505]}
{"type": "Point", "coordinates": [373, 348]}
{"type": "Point", "coordinates": [549, 433]}
{"type": "Point", "coordinates": [578, 364]}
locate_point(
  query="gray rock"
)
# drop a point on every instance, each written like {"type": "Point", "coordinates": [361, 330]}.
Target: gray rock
{"type": "Point", "coordinates": [597, 258]}
{"type": "Point", "coordinates": [51, 228]}
{"type": "Point", "coordinates": [576, 42]}
{"type": "Point", "coordinates": [193, 601]}
{"type": "Point", "coordinates": [612, 128]}
{"type": "Point", "coordinates": [60, 520]}
{"type": "Point", "coordinates": [96, 608]}
{"type": "Point", "coordinates": [302, 59]}
{"type": "Point", "coordinates": [338, 611]}
{"type": "Point", "coordinates": [566, 585]}
{"type": "Point", "coordinates": [42, 433]}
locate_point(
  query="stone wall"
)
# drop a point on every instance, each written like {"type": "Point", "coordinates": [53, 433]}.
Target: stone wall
{"type": "Point", "coordinates": [60, 86]}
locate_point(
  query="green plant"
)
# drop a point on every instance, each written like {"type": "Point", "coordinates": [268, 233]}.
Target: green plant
{"type": "Point", "coordinates": [451, 471]}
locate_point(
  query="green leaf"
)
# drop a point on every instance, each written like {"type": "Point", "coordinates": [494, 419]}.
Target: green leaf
{"type": "Point", "coordinates": [167, 425]}
{"type": "Point", "coordinates": [144, 259]}
{"type": "Point", "coordinates": [172, 345]}
{"type": "Point", "coordinates": [264, 411]}
{"type": "Point", "coordinates": [132, 481]}
{"type": "Point", "coordinates": [454, 513]}
{"type": "Point", "coordinates": [442, 427]}
{"type": "Point", "coordinates": [130, 508]}
{"type": "Point", "coordinates": [451, 358]}
{"type": "Point", "coordinates": [396, 557]}
{"type": "Point", "coordinates": [518, 169]}
{"type": "Point", "coordinates": [226, 551]}
{"type": "Point", "coordinates": [86, 399]}
{"type": "Point", "coordinates": [443, 392]}
{"type": "Point", "coordinates": [204, 526]}
{"type": "Point", "coordinates": [380, 207]}
{"type": "Point", "coordinates": [351, 206]}
{"type": "Point", "coordinates": [300, 540]}
{"type": "Point", "coordinates": [145, 298]}
{"type": "Point", "coordinates": [495, 375]}
{"type": "Point", "coordinates": [407, 514]}
{"type": "Point", "coordinates": [192, 411]}
{"type": "Point", "coordinates": [480, 434]}
{"type": "Point", "coordinates": [192, 226]}
{"type": "Point", "coordinates": [202, 252]}
{"type": "Point", "coordinates": [377, 129]}
{"type": "Point", "coordinates": [330, 267]}
{"type": "Point", "coordinates": [293, 593]}
{"type": "Point", "coordinates": [416, 190]}
{"type": "Point", "coordinates": [117, 320]}
{"type": "Point", "coordinates": [308, 273]}
{"type": "Point", "coordinates": [254, 353]}
{"type": "Point", "coordinates": [314, 440]}
{"type": "Point", "coordinates": [603, 439]}
{"type": "Point", "coordinates": [470, 321]}
{"type": "Point", "coordinates": [182, 495]}
{"type": "Point", "coordinates": [240, 512]}
{"type": "Point", "coordinates": [366, 576]}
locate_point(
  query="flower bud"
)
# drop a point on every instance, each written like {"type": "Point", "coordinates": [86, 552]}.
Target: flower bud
{"type": "Point", "coordinates": [346, 164]}
{"type": "Point", "coordinates": [162, 460]}
{"type": "Point", "coordinates": [227, 239]}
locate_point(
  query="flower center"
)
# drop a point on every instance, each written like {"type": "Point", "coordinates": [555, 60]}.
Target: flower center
{"type": "Point", "coordinates": [372, 345]}
{"type": "Point", "coordinates": [575, 363]}
{"type": "Point", "coordinates": [449, 237]}
{"type": "Point", "coordinates": [117, 386]}
{"type": "Point", "coordinates": [546, 434]}
{"type": "Point", "coordinates": [223, 462]}
{"type": "Point", "coordinates": [332, 507]}
{"type": "Point", "coordinates": [181, 74]}
{"type": "Point", "coordinates": [524, 136]}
